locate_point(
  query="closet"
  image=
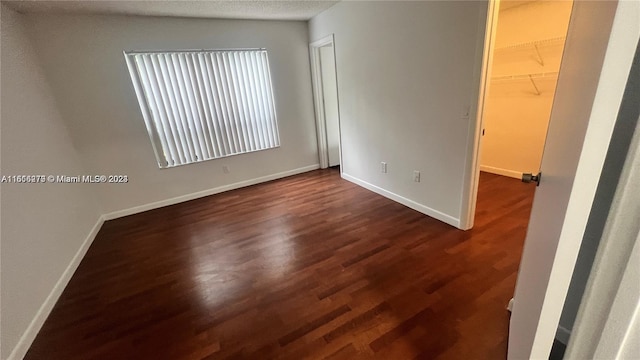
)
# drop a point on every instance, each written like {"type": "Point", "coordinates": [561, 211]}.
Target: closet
{"type": "Point", "coordinates": [528, 47]}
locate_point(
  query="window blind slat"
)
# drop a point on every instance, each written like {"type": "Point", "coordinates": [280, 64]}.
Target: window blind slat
{"type": "Point", "coordinates": [205, 88]}
{"type": "Point", "coordinates": [224, 108]}
{"type": "Point", "coordinates": [178, 94]}
{"type": "Point", "coordinates": [191, 107]}
{"type": "Point", "coordinates": [144, 108]}
{"type": "Point", "coordinates": [275, 135]}
{"type": "Point", "coordinates": [219, 106]}
{"type": "Point", "coordinates": [228, 95]}
{"type": "Point", "coordinates": [165, 111]}
{"type": "Point", "coordinates": [201, 105]}
{"type": "Point", "coordinates": [203, 114]}
{"type": "Point", "coordinates": [259, 99]}
{"type": "Point", "coordinates": [235, 100]}
{"type": "Point", "coordinates": [149, 106]}
{"type": "Point", "coordinates": [259, 144]}
{"type": "Point", "coordinates": [224, 72]}
{"type": "Point", "coordinates": [265, 98]}
{"type": "Point", "coordinates": [254, 101]}
{"type": "Point", "coordinates": [246, 117]}
{"type": "Point", "coordinates": [214, 105]}
{"type": "Point", "coordinates": [208, 104]}
{"type": "Point", "coordinates": [174, 112]}
{"type": "Point", "coordinates": [185, 106]}
{"type": "Point", "coordinates": [237, 91]}
{"type": "Point", "coordinates": [159, 122]}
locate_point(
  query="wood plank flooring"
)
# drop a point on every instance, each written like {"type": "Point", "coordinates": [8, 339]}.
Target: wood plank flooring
{"type": "Point", "coordinates": [307, 267]}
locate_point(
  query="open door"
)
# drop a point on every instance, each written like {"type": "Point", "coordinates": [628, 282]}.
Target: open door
{"type": "Point", "coordinates": [599, 50]}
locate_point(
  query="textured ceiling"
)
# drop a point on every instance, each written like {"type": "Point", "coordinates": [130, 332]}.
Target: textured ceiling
{"type": "Point", "coordinates": [268, 10]}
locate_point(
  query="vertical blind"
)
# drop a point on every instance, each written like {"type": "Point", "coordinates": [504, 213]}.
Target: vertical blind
{"type": "Point", "coordinates": [205, 104]}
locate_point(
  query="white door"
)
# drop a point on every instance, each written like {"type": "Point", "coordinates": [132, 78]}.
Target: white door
{"type": "Point", "coordinates": [593, 75]}
{"type": "Point", "coordinates": [330, 97]}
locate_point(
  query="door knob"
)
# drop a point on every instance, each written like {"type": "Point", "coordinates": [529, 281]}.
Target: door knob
{"type": "Point", "coordinates": [528, 177]}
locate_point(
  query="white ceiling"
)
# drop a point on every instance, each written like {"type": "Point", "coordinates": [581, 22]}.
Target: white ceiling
{"type": "Point", "coordinates": [267, 10]}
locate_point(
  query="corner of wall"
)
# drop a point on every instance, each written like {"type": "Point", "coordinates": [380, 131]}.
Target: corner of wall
{"type": "Point", "coordinates": [29, 335]}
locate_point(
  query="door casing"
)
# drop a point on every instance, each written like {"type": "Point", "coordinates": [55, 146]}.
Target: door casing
{"type": "Point", "coordinates": [318, 94]}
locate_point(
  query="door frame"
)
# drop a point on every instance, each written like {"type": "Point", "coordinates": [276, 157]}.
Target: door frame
{"type": "Point", "coordinates": [472, 171]}
{"type": "Point", "coordinates": [318, 99]}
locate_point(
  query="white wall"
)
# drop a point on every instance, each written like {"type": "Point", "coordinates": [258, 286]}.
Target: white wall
{"type": "Point", "coordinates": [82, 57]}
{"type": "Point", "coordinates": [43, 225]}
{"type": "Point", "coordinates": [406, 73]}
{"type": "Point", "coordinates": [515, 123]}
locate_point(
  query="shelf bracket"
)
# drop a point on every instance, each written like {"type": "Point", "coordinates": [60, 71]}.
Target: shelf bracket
{"type": "Point", "coordinates": [534, 85]}
{"type": "Point", "coordinates": [539, 57]}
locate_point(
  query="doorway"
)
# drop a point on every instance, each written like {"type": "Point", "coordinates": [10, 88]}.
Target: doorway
{"type": "Point", "coordinates": [325, 91]}
{"type": "Point", "coordinates": [526, 56]}
{"type": "Point", "coordinates": [525, 51]}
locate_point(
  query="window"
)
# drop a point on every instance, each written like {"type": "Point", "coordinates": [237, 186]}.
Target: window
{"type": "Point", "coordinates": [205, 104]}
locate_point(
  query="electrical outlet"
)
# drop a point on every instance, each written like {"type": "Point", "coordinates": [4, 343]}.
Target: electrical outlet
{"type": "Point", "coordinates": [383, 167]}
{"type": "Point", "coordinates": [225, 169]}
{"type": "Point", "coordinates": [416, 176]}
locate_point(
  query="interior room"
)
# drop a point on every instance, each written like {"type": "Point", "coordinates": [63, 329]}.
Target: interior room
{"type": "Point", "coordinates": [318, 179]}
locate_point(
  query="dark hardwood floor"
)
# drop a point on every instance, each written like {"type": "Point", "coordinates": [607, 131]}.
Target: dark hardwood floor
{"type": "Point", "coordinates": [310, 266]}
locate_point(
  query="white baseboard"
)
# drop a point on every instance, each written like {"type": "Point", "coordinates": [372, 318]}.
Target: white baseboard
{"type": "Point", "coordinates": [199, 194]}
{"type": "Point", "coordinates": [563, 334]}
{"type": "Point", "coordinates": [404, 201]}
{"type": "Point", "coordinates": [21, 348]}
{"type": "Point", "coordinates": [499, 171]}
